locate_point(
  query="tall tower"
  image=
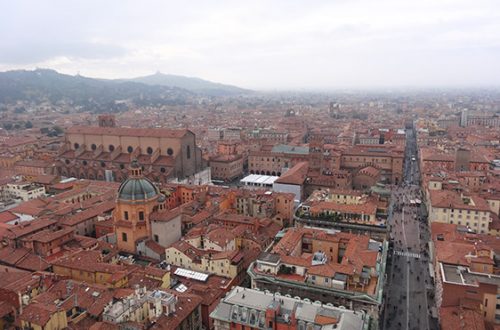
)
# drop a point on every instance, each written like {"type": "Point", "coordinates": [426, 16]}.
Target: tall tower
{"type": "Point", "coordinates": [316, 152]}
{"type": "Point", "coordinates": [463, 118]}
{"type": "Point", "coordinates": [462, 159]}
{"type": "Point", "coordinates": [106, 120]}
{"type": "Point", "coordinates": [137, 199]}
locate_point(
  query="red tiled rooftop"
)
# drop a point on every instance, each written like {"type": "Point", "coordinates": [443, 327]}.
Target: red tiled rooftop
{"type": "Point", "coordinates": [125, 131]}
{"type": "Point", "coordinates": [7, 216]}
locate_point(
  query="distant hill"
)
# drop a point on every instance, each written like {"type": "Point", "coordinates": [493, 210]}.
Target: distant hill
{"type": "Point", "coordinates": [86, 94]}
{"type": "Point", "coordinates": [193, 84]}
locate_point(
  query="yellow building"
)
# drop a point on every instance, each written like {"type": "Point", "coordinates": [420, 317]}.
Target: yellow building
{"type": "Point", "coordinates": [88, 266]}
{"type": "Point", "coordinates": [38, 316]}
{"type": "Point", "coordinates": [451, 207]}
{"type": "Point", "coordinates": [226, 263]}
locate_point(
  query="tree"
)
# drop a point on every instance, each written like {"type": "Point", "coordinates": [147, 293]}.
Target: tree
{"type": "Point", "coordinates": [57, 130]}
{"type": "Point", "coordinates": [28, 124]}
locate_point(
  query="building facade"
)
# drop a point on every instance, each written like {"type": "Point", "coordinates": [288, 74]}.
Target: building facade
{"type": "Point", "coordinates": [104, 153]}
{"type": "Point", "coordinates": [251, 309]}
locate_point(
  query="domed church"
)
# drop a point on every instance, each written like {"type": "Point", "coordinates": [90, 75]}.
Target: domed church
{"type": "Point", "coordinates": [138, 199]}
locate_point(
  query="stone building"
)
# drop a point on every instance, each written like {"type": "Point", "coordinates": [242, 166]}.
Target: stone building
{"type": "Point", "coordinates": [104, 152]}
{"type": "Point", "coordinates": [138, 205]}
{"type": "Point", "coordinates": [226, 168]}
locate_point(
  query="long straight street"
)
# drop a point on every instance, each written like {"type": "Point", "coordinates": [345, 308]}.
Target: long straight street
{"type": "Point", "coordinates": [409, 287]}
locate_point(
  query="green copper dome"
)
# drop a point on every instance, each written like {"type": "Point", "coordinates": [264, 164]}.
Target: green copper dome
{"type": "Point", "coordinates": [134, 189]}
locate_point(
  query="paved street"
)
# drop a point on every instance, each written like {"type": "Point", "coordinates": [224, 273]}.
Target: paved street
{"type": "Point", "coordinates": [409, 289]}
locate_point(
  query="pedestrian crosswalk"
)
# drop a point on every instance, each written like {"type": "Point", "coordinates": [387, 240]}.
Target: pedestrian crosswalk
{"type": "Point", "coordinates": [407, 254]}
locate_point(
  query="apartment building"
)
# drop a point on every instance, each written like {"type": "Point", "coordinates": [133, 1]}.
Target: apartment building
{"type": "Point", "coordinates": [447, 206]}
{"type": "Point", "coordinates": [242, 308]}
{"type": "Point", "coordinates": [333, 267]}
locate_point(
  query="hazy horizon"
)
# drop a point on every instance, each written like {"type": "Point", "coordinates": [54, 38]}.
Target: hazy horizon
{"type": "Point", "coordinates": [284, 45]}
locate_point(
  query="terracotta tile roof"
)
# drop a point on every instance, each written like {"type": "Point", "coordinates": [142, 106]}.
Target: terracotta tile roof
{"type": "Point", "coordinates": [27, 228]}
{"type": "Point", "coordinates": [90, 297]}
{"type": "Point", "coordinates": [186, 304]}
{"type": "Point", "coordinates": [189, 250]}
{"type": "Point", "coordinates": [367, 208]}
{"type": "Point", "coordinates": [104, 326]}
{"type": "Point", "coordinates": [370, 171]}
{"type": "Point", "coordinates": [33, 262]}
{"type": "Point", "coordinates": [167, 161]}
{"type": "Point", "coordinates": [90, 213]}
{"type": "Point", "coordinates": [452, 252]}
{"type": "Point", "coordinates": [6, 308]}
{"type": "Point", "coordinates": [28, 209]}
{"type": "Point", "coordinates": [325, 320]}
{"type": "Point", "coordinates": [457, 318]}
{"type": "Point", "coordinates": [22, 258]}
{"type": "Point", "coordinates": [296, 175]}
{"type": "Point", "coordinates": [221, 236]}
{"type": "Point", "coordinates": [225, 158]}
{"type": "Point", "coordinates": [16, 279]}
{"type": "Point", "coordinates": [7, 216]}
{"type": "Point", "coordinates": [322, 270]}
{"type": "Point", "coordinates": [38, 313]}
{"type": "Point", "coordinates": [357, 255]}
{"type": "Point", "coordinates": [440, 157]}
{"type": "Point", "coordinates": [452, 199]}
{"type": "Point", "coordinates": [155, 247]}
{"type": "Point", "coordinates": [231, 255]}
{"type": "Point", "coordinates": [125, 131]}
{"type": "Point", "coordinates": [138, 278]}
{"type": "Point", "coordinates": [63, 185]}
{"type": "Point", "coordinates": [201, 216]}
{"type": "Point", "coordinates": [47, 235]}
{"type": "Point", "coordinates": [45, 179]}
{"type": "Point", "coordinates": [15, 141]}
{"type": "Point", "coordinates": [166, 216]}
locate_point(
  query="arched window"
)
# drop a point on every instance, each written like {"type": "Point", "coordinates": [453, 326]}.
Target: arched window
{"type": "Point", "coordinates": [85, 163]}
{"type": "Point", "coordinates": [67, 161]}
{"type": "Point", "coordinates": [76, 145]}
{"type": "Point", "coordinates": [149, 150]}
{"type": "Point", "coordinates": [111, 148]}
{"type": "Point", "coordinates": [162, 170]}
{"type": "Point", "coordinates": [93, 146]}
{"type": "Point", "coordinates": [141, 215]}
{"type": "Point", "coordinates": [103, 164]}
{"type": "Point", "coordinates": [170, 152]}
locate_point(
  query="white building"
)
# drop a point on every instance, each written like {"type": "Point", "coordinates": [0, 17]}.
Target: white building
{"type": "Point", "coordinates": [259, 181]}
{"type": "Point", "coordinates": [24, 190]}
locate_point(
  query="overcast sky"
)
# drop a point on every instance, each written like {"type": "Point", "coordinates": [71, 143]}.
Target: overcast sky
{"type": "Point", "coordinates": [260, 44]}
